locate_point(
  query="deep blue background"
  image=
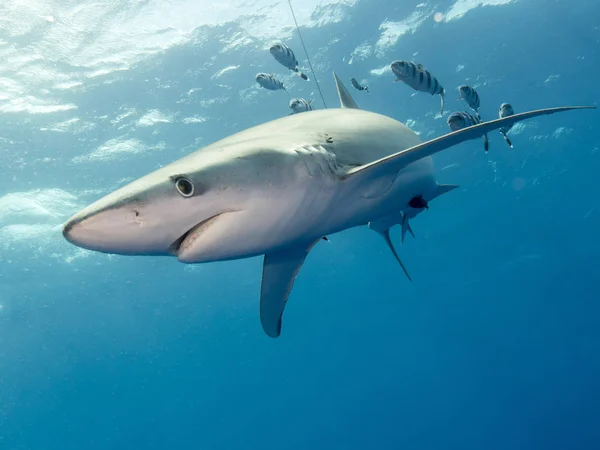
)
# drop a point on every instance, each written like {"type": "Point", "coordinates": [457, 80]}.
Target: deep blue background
{"type": "Point", "coordinates": [494, 345]}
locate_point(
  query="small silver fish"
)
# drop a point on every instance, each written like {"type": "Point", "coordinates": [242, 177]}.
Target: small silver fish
{"type": "Point", "coordinates": [418, 78]}
{"type": "Point", "coordinates": [269, 82]}
{"type": "Point", "coordinates": [459, 120]}
{"type": "Point", "coordinates": [470, 95]}
{"type": "Point", "coordinates": [506, 110]}
{"type": "Point", "coordinates": [358, 86]}
{"type": "Point", "coordinates": [298, 105]}
{"type": "Point", "coordinates": [285, 56]}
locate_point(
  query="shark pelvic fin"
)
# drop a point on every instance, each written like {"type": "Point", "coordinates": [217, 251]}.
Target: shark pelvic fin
{"type": "Point", "coordinates": [346, 100]}
{"type": "Point", "coordinates": [393, 163]}
{"type": "Point", "coordinates": [388, 241]}
{"type": "Point", "coordinates": [440, 189]}
{"type": "Point", "coordinates": [280, 270]}
{"type": "Point", "coordinates": [406, 227]}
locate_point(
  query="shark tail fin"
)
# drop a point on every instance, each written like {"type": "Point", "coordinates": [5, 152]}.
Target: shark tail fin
{"type": "Point", "coordinates": [346, 100]}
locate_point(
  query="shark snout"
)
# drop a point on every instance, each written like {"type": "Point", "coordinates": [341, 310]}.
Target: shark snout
{"type": "Point", "coordinates": [66, 231]}
{"type": "Point", "coordinates": [122, 231]}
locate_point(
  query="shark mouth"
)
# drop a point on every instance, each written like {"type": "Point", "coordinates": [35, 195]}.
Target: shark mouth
{"type": "Point", "coordinates": [188, 238]}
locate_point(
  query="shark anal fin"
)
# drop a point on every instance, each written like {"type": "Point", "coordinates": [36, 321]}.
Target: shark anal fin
{"type": "Point", "coordinates": [393, 163]}
{"type": "Point", "coordinates": [388, 241]}
{"type": "Point", "coordinates": [346, 100]}
{"type": "Point", "coordinates": [279, 273]}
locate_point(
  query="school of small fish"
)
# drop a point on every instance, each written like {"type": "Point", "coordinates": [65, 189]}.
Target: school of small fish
{"type": "Point", "coordinates": [420, 79]}
{"type": "Point", "coordinates": [412, 74]}
{"type": "Point", "coordinates": [286, 57]}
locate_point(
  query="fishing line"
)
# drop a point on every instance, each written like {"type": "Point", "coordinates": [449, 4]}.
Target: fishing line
{"type": "Point", "coordinates": [306, 52]}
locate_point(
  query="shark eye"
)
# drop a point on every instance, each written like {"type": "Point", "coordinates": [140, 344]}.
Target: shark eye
{"type": "Point", "coordinates": [184, 187]}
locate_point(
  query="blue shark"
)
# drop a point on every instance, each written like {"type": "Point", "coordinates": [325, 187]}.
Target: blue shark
{"type": "Point", "coordinates": [274, 190]}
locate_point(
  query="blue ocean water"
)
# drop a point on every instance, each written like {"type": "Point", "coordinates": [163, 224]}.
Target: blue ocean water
{"type": "Point", "coordinates": [496, 343]}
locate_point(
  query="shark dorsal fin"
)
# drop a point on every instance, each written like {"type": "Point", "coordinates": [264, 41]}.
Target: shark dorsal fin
{"type": "Point", "coordinates": [346, 100]}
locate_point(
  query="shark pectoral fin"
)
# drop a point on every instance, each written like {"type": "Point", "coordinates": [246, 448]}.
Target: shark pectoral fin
{"type": "Point", "coordinates": [279, 273]}
{"type": "Point", "coordinates": [346, 100]}
{"type": "Point", "coordinates": [393, 163]}
{"type": "Point", "coordinates": [388, 241]}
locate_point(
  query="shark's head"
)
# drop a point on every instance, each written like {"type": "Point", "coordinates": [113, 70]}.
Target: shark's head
{"type": "Point", "coordinates": [211, 204]}
{"type": "Point", "coordinates": [151, 216]}
{"type": "Point", "coordinates": [228, 200]}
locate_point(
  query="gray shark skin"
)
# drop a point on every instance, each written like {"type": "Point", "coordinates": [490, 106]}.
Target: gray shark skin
{"type": "Point", "coordinates": [275, 190]}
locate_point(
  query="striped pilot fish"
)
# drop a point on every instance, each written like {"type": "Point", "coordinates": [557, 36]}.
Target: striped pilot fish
{"type": "Point", "coordinates": [285, 56]}
{"type": "Point", "coordinates": [269, 82]}
{"type": "Point", "coordinates": [506, 110]}
{"type": "Point", "coordinates": [460, 120]}
{"type": "Point", "coordinates": [298, 105]}
{"type": "Point", "coordinates": [418, 78]}
{"type": "Point", "coordinates": [358, 86]}
{"type": "Point", "coordinates": [469, 95]}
